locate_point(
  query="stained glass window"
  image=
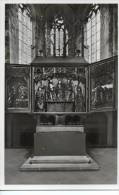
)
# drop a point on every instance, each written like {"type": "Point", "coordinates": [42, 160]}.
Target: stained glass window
{"type": "Point", "coordinates": [59, 38]}
{"type": "Point", "coordinates": [92, 37]}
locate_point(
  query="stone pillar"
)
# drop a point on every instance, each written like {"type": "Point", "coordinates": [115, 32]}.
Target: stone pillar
{"type": "Point", "coordinates": [39, 37]}
{"type": "Point", "coordinates": [47, 41]}
{"type": "Point", "coordinates": [71, 45]}
{"type": "Point", "coordinates": [34, 39]}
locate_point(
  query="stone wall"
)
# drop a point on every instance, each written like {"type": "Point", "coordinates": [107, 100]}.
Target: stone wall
{"type": "Point", "coordinates": [7, 39]}
{"type": "Point", "coordinates": [14, 34]}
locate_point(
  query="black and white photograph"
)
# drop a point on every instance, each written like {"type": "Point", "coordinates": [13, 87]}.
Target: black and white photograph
{"type": "Point", "coordinates": [61, 93]}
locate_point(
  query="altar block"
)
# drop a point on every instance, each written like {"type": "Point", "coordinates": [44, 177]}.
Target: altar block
{"type": "Point", "coordinates": [59, 140]}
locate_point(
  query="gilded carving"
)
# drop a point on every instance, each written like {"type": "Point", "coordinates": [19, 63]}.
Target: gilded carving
{"type": "Point", "coordinates": [59, 85]}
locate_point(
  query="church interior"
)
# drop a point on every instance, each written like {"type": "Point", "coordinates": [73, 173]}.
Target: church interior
{"type": "Point", "coordinates": [61, 93]}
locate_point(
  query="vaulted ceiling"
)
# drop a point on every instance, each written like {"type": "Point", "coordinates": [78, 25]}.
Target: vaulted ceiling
{"type": "Point", "coordinates": [70, 12]}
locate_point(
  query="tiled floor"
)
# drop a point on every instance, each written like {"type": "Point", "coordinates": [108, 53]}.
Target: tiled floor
{"type": "Point", "coordinates": [106, 158]}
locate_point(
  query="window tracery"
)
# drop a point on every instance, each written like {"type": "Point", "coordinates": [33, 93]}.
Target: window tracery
{"type": "Point", "coordinates": [59, 38]}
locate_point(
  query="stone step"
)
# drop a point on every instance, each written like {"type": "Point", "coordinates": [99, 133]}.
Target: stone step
{"type": "Point", "coordinates": [59, 167]}
{"type": "Point", "coordinates": [59, 164]}
{"type": "Point", "coordinates": [60, 159]}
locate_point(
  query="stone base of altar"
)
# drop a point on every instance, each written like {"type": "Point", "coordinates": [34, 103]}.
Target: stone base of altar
{"type": "Point", "coordinates": [59, 148]}
{"type": "Point", "coordinates": [59, 140]}
{"type": "Point", "coordinates": [59, 163]}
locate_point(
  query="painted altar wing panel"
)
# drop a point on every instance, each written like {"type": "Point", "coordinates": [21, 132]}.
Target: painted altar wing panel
{"type": "Point", "coordinates": [102, 84]}
{"type": "Point", "coordinates": [18, 88]}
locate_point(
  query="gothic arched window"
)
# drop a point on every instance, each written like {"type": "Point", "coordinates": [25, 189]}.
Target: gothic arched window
{"type": "Point", "coordinates": [92, 31]}
{"type": "Point", "coordinates": [59, 38]}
